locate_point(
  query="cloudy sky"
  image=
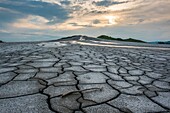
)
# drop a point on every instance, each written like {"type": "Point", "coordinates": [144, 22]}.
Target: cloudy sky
{"type": "Point", "coordinates": [28, 20]}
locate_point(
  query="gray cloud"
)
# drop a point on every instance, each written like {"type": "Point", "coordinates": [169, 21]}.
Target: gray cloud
{"type": "Point", "coordinates": [96, 21]}
{"type": "Point", "coordinates": [65, 2]}
{"type": "Point", "coordinates": [47, 10]}
{"type": "Point", "coordinates": [75, 24]}
{"type": "Point", "coordinates": [107, 3]}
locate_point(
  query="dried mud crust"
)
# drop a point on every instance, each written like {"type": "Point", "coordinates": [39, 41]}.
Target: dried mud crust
{"type": "Point", "coordinates": [77, 78]}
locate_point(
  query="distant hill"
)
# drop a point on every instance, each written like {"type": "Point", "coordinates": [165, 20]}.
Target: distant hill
{"type": "Point", "coordinates": [78, 37]}
{"type": "Point", "coordinates": [166, 42]}
{"type": "Point", "coordinates": [120, 39]}
{"type": "Point", "coordinates": [160, 42]}
{"type": "Point", "coordinates": [81, 37]}
{"type": "Point", "coordinates": [1, 41]}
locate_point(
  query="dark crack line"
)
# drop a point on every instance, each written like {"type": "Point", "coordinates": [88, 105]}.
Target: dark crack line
{"type": "Point", "coordinates": [77, 87]}
{"type": "Point", "coordinates": [19, 96]}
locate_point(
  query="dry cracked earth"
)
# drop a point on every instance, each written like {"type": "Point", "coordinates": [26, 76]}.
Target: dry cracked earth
{"type": "Point", "coordinates": [84, 76]}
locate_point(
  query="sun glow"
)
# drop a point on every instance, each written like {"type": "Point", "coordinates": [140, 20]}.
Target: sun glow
{"type": "Point", "coordinates": [112, 20]}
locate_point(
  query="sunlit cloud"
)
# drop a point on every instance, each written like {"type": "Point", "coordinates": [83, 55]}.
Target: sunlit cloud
{"type": "Point", "coordinates": [62, 16]}
{"type": "Point", "coordinates": [32, 22]}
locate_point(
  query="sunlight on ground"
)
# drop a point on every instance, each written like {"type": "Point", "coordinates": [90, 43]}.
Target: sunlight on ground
{"type": "Point", "coordinates": [116, 46]}
{"type": "Point", "coordinates": [52, 44]}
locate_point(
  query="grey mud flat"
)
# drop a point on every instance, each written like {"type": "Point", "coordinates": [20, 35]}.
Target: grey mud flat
{"type": "Point", "coordinates": [84, 76]}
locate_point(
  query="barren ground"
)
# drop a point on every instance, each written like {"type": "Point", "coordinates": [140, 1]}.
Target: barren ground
{"type": "Point", "coordinates": [84, 76]}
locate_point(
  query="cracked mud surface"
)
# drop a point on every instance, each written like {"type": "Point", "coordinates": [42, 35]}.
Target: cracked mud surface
{"type": "Point", "coordinates": [79, 77]}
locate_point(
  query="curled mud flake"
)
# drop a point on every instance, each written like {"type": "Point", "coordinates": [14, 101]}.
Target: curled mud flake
{"type": "Point", "coordinates": [71, 92]}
